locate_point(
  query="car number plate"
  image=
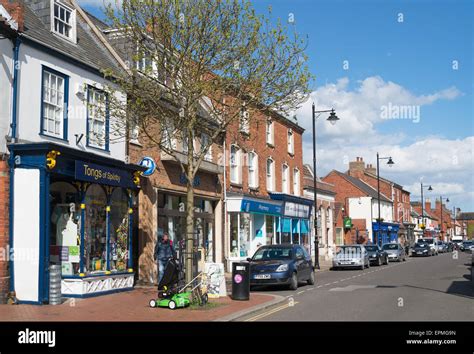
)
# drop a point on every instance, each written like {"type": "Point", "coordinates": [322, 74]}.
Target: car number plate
{"type": "Point", "coordinates": [419, 252]}
{"type": "Point", "coordinates": [345, 262]}
{"type": "Point", "coordinates": [262, 276]}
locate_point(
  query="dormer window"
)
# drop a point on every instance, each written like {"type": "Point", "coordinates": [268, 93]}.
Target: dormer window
{"type": "Point", "coordinates": [63, 20]}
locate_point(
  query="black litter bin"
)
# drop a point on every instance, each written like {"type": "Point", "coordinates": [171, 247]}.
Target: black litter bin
{"type": "Point", "coordinates": [241, 281]}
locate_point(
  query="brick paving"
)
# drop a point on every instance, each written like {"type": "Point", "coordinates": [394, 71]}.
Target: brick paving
{"type": "Point", "coordinates": [126, 306]}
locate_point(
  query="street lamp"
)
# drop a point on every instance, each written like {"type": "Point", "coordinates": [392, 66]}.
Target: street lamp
{"type": "Point", "coordinates": [390, 163]}
{"type": "Point", "coordinates": [441, 224]}
{"type": "Point", "coordinates": [423, 206]}
{"type": "Point", "coordinates": [332, 119]}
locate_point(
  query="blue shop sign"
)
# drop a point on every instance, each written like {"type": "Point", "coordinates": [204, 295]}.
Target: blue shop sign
{"type": "Point", "coordinates": [385, 227]}
{"type": "Point", "coordinates": [150, 165]}
{"type": "Point", "coordinates": [90, 172]}
{"type": "Point", "coordinates": [251, 206]}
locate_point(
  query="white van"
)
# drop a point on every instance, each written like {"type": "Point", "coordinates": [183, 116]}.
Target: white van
{"type": "Point", "coordinates": [432, 242]}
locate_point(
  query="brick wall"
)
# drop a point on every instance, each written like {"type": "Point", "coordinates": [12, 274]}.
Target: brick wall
{"type": "Point", "coordinates": [256, 141]}
{"type": "Point", "coordinates": [16, 11]}
{"type": "Point", "coordinates": [4, 228]}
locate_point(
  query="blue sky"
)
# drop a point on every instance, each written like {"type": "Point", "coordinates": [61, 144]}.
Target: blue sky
{"type": "Point", "coordinates": [407, 64]}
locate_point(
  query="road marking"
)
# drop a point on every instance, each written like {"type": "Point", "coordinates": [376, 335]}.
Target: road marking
{"type": "Point", "coordinates": [310, 288]}
{"type": "Point", "coordinates": [319, 286]}
{"type": "Point", "coordinates": [335, 282]}
{"type": "Point", "coordinates": [354, 287]}
{"type": "Point", "coordinates": [327, 284]}
{"type": "Point", "coordinates": [301, 292]}
{"type": "Point", "coordinates": [268, 313]}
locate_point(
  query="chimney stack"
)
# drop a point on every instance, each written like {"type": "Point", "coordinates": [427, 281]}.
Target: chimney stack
{"type": "Point", "coordinates": [371, 169]}
{"type": "Point", "coordinates": [356, 168]}
{"type": "Point", "coordinates": [427, 204]}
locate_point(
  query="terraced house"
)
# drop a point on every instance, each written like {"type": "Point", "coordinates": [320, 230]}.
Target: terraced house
{"type": "Point", "coordinates": [71, 193]}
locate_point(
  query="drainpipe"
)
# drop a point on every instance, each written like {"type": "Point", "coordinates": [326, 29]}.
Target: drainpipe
{"type": "Point", "coordinates": [225, 240]}
{"type": "Point", "coordinates": [16, 50]}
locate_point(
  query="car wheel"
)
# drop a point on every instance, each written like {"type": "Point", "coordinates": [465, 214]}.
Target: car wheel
{"type": "Point", "coordinates": [311, 278]}
{"type": "Point", "coordinates": [404, 258]}
{"type": "Point", "coordinates": [152, 303]}
{"type": "Point", "coordinates": [362, 267]}
{"type": "Point", "coordinates": [368, 264]}
{"type": "Point", "coordinates": [386, 261]}
{"type": "Point", "coordinates": [172, 305]}
{"type": "Point", "coordinates": [379, 262]}
{"type": "Point", "coordinates": [294, 282]}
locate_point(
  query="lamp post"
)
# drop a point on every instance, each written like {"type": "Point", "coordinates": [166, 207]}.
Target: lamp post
{"type": "Point", "coordinates": [423, 207]}
{"type": "Point", "coordinates": [390, 163]}
{"type": "Point", "coordinates": [441, 225]}
{"type": "Point", "coordinates": [332, 119]}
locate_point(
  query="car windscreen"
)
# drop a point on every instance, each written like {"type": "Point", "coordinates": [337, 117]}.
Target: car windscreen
{"type": "Point", "coordinates": [428, 241]}
{"type": "Point", "coordinates": [390, 247]}
{"type": "Point", "coordinates": [272, 253]}
{"type": "Point", "coordinates": [349, 249]}
{"type": "Point", "coordinates": [371, 248]}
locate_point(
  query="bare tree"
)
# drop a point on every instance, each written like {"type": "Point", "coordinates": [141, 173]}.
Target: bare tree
{"type": "Point", "coordinates": [197, 67]}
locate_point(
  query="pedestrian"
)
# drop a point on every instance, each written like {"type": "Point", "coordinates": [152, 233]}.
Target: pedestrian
{"type": "Point", "coordinates": [163, 252]}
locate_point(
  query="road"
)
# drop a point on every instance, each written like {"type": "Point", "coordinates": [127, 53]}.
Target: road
{"type": "Point", "coordinates": [438, 288]}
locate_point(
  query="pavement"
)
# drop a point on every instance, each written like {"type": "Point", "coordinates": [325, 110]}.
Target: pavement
{"type": "Point", "coordinates": [438, 288]}
{"type": "Point", "coordinates": [133, 306]}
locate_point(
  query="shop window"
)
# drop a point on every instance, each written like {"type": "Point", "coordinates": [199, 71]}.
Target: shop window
{"type": "Point", "coordinates": [54, 103]}
{"type": "Point", "coordinates": [65, 227]}
{"type": "Point", "coordinates": [244, 234]}
{"type": "Point", "coordinates": [269, 229]}
{"type": "Point", "coordinates": [119, 232]}
{"type": "Point", "coordinates": [206, 146]}
{"type": "Point", "coordinates": [285, 230]}
{"type": "Point", "coordinates": [305, 237]}
{"type": "Point", "coordinates": [295, 231]}
{"type": "Point", "coordinates": [95, 231]}
{"type": "Point", "coordinates": [234, 234]}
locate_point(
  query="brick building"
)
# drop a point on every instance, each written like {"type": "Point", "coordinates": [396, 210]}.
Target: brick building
{"type": "Point", "coordinates": [328, 233]}
{"type": "Point", "coordinates": [426, 218]}
{"type": "Point", "coordinates": [445, 224]}
{"type": "Point", "coordinates": [395, 192]}
{"type": "Point", "coordinates": [359, 210]}
{"type": "Point", "coordinates": [264, 200]}
{"type": "Point", "coordinates": [466, 219]}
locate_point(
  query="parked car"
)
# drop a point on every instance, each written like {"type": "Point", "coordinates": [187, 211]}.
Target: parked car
{"type": "Point", "coordinates": [442, 247]}
{"type": "Point", "coordinates": [395, 251]}
{"type": "Point", "coordinates": [466, 245]}
{"type": "Point", "coordinates": [421, 249]}
{"type": "Point", "coordinates": [376, 255]}
{"type": "Point", "coordinates": [351, 256]}
{"type": "Point", "coordinates": [432, 243]}
{"type": "Point", "coordinates": [281, 265]}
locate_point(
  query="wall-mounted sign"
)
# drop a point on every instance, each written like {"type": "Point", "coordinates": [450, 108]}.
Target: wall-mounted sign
{"type": "Point", "coordinates": [150, 165]}
{"type": "Point", "coordinates": [347, 223]}
{"type": "Point", "coordinates": [90, 172]}
{"type": "Point", "coordinates": [297, 210]}
{"type": "Point", "coordinates": [250, 206]}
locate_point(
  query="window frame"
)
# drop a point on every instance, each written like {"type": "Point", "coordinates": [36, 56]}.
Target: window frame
{"type": "Point", "coordinates": [73, 23]}
{"type": "Point", "coordinates": [90, 144]}
{"type": "Point", "coordinates": [296, 180]}
{"type": "Point", "coordinates": [255, 183]}
{"type": "Point", "coordinates": [271, 176]}
{"type": "Point", "coordinates": [238, 164]}
{"type": "Point", "coordinates": [208, 153]}
{"type": "Point", "coordinates": [270, 132]}
{"type": "Point", "coordinates": [64, 123]}
{"type": "Point", "coordinates": [285, 173]}
{"type": "Point", "coordinates": [290, 136]}
{"type": "Point", "coordinates": [244, 121]}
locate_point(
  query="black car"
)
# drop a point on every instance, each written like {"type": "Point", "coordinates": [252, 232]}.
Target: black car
{"type": "Point", "coordinates": [377, 256]}
{"type": "Point", "coordinates": [284, 264]}
{"type": "Point", "coordinates": [421, 249]}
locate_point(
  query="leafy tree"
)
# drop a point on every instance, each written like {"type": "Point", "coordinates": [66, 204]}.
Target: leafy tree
{"type": "Point", "coordinates": [197, 67]}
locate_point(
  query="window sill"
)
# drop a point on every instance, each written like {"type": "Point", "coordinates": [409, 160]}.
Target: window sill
{"type": "Point", "coordinates": [97, 148]}
{"type": "Point", "coordinates": [136, 143]}
{"type": "Point", "coordinates": [271, 145]}
{"type": "Point", "coordinates": [53, 137]}
{"type": "Point", "coordinates": [254, 189]}
{"type": "Point", "coordinates": [237, 185]}
{"type": "Point", "coordinates": [292, 154]}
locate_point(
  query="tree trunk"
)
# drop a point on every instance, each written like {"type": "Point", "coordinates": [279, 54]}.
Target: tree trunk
{"type": "Point", "coordinates": [189, 230]}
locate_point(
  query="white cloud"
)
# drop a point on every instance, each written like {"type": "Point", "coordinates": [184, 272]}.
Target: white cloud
{"type": "Point", "coordinates": [446, 164]}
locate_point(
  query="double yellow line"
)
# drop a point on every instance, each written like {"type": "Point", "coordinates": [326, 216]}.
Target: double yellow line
{"type": "Point", "coordinates": [269, 312]}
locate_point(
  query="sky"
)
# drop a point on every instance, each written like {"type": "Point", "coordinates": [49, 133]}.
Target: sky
{"type": "Point", "coordinates": [399, 74]}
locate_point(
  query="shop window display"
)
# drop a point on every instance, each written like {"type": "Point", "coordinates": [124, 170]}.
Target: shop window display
{"type": "Point", "coordinates": [65, 227]}
{"type": "Point", "coordinates": [295, 226]}
{"type": "Point", "coordinates": [244, 234]}
{"type": "Point", "coordinates": [119, 225]}
{"type": "Point", "coordinates": [234, 234]}
{"type": "Point", "coordinates": [95, 234]}
{"type": "Point", "coordinates": [269, 229]}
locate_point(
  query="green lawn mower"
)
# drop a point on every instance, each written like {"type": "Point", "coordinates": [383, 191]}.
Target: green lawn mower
{"type": "Point", "coordinates": [171, 291]}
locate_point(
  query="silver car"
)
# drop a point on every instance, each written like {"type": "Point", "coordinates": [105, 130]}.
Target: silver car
{"type": "Point", "coordinates": [351, 256]}
{"type": "Point", "coordinates": [395, 252]}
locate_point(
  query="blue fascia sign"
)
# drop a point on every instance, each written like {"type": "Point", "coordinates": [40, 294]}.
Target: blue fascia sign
{"type": "Point", "coordinates": [89, 172]}
{"type": "Point", "coordinates": [150, 165]}
{"type": "Point", "coordinates": [385, 227]}
{"type": "Point", "coordinates": [251, 206]}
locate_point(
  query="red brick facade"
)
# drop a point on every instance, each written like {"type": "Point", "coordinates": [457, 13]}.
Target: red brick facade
{"type": "Point", "coordinates": [278, 151]}
{"type": "Point", "coordinates": [4, 228]}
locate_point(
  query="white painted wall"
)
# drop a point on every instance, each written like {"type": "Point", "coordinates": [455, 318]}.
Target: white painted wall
{"type": "Point", "coordinates": [386, 210]}
{"type": "Point", "coordinates": [29, 100]}
{"type": "Point", "coordinates": [6, 78]}
{"type": "Point", "coordinates": [26, 224]}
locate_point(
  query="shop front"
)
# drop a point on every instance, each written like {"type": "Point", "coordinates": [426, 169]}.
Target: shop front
{"type": "Point", "coordinates": [254, 222]}
{"type": "Point", "coordinates": [72, 209]}
{"type": "Point", "coordinates": [387, 233]}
